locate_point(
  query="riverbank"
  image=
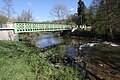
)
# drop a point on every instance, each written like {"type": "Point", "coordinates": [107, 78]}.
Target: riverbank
{"type": "Point", "coordinates": [22, 60]}
{"type": "Point", "coordinates": [92, 35]}
{"type": "Point", "coordinates": [104, 61]}
{"type": "Point", "coordinates": [73, 57]}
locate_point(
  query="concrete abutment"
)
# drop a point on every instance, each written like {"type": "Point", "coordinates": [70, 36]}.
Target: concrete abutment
{"type": "Point", "coordinates": [7, 32]}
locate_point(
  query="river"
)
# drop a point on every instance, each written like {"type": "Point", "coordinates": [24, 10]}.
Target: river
{"type": "Point", "coordinates": [91, 61]}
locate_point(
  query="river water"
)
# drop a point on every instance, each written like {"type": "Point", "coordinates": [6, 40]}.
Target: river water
{"type": "Point", "coordinates": [96, 64]}
{"type": "Point", "coordinates": [50, 39]}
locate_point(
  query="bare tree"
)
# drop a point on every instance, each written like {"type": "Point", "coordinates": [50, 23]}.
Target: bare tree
{"type": "Point", "coordinates": [8, 8]}
{"type": "Point", "coordinates": [59, 11]}
{"type": "Point", "coordinates": [26, 16]}
{"type": "Point", "coordinates": [3, 19]}
{"type": "Point", "coordinates": [1, 11]}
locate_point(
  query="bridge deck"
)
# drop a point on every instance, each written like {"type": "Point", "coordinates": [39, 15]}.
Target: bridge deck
{"type": "Point", "coordinates": [21, 27]}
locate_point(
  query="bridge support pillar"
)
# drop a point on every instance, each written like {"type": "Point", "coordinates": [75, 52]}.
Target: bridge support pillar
{"type": "Point", "coordinates": [8, 35]}
{"type": "Point", "coordinates": [7, 32]}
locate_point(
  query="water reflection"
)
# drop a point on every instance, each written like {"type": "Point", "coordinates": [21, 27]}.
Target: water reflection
{"type": "Point", "coordinates": [49, 40]}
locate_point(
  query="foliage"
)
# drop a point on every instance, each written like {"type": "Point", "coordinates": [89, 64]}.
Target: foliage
{"type": "Point", "coordinates": [81, 13]}
{"type": "Point", "coordinates": [90, 16]}
{"type": "Point", "coordinates": [28, 36]}
{"type": "Point", "coordinates": [23, 61]}
{"type": "Point", "coordinates": [107, 18]}
{"type": "Point", "coordinates": [3, 19]}
{"type": "Point", "coordinates": [82, 33]}
{"type": "Point", "coordinates": [72, 19]}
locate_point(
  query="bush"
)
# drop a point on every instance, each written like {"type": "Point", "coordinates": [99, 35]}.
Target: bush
{"type": "Point", "coordinates": [82, 33]}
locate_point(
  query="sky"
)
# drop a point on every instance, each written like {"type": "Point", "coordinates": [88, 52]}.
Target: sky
{"type": "Point", "coordinates": [41, 8]}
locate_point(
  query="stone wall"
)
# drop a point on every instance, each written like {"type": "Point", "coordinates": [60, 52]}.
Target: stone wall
{"type": "Point", "coordinates": [8, 34]}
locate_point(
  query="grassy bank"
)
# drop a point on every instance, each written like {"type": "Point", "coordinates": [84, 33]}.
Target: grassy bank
{"type": "Point", "coordinates": [23, 61]}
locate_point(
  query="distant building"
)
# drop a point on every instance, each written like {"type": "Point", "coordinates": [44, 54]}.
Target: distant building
{"type": "Point", "coordinates": [84, 27]}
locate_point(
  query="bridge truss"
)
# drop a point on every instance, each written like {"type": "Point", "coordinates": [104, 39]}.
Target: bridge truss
{"type": "Point", "coordinates": [22, 27]}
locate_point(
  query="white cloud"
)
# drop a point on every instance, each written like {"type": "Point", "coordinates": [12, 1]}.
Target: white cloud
{"type": "Point", "coordinates": [29, 4]}
{"type": "Point", "coordinates": [37, 17]}
{"type": "Point", "coordinates": [70, 9]}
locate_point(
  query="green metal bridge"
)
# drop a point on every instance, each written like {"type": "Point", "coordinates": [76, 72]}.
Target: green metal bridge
{"type": "Point", "coordinates": [22, 27]}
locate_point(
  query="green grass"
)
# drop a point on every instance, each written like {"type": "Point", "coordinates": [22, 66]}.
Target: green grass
{"type": "Point", "coordinates": [23, 61]}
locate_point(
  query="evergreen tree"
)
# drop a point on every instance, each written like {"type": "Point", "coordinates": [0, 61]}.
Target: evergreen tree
{"type": "Point", "coordinates": [107, 18]}
{"type": "Point", "coordinates": [81, 13]}
{"type": "Point", "coordinates": [90, 16]}
{"type": "Point", "coordinates": [72, 19]}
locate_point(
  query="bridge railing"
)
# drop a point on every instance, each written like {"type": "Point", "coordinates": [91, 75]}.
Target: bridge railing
{"type": "Point", "coordinates": [21, 27]}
